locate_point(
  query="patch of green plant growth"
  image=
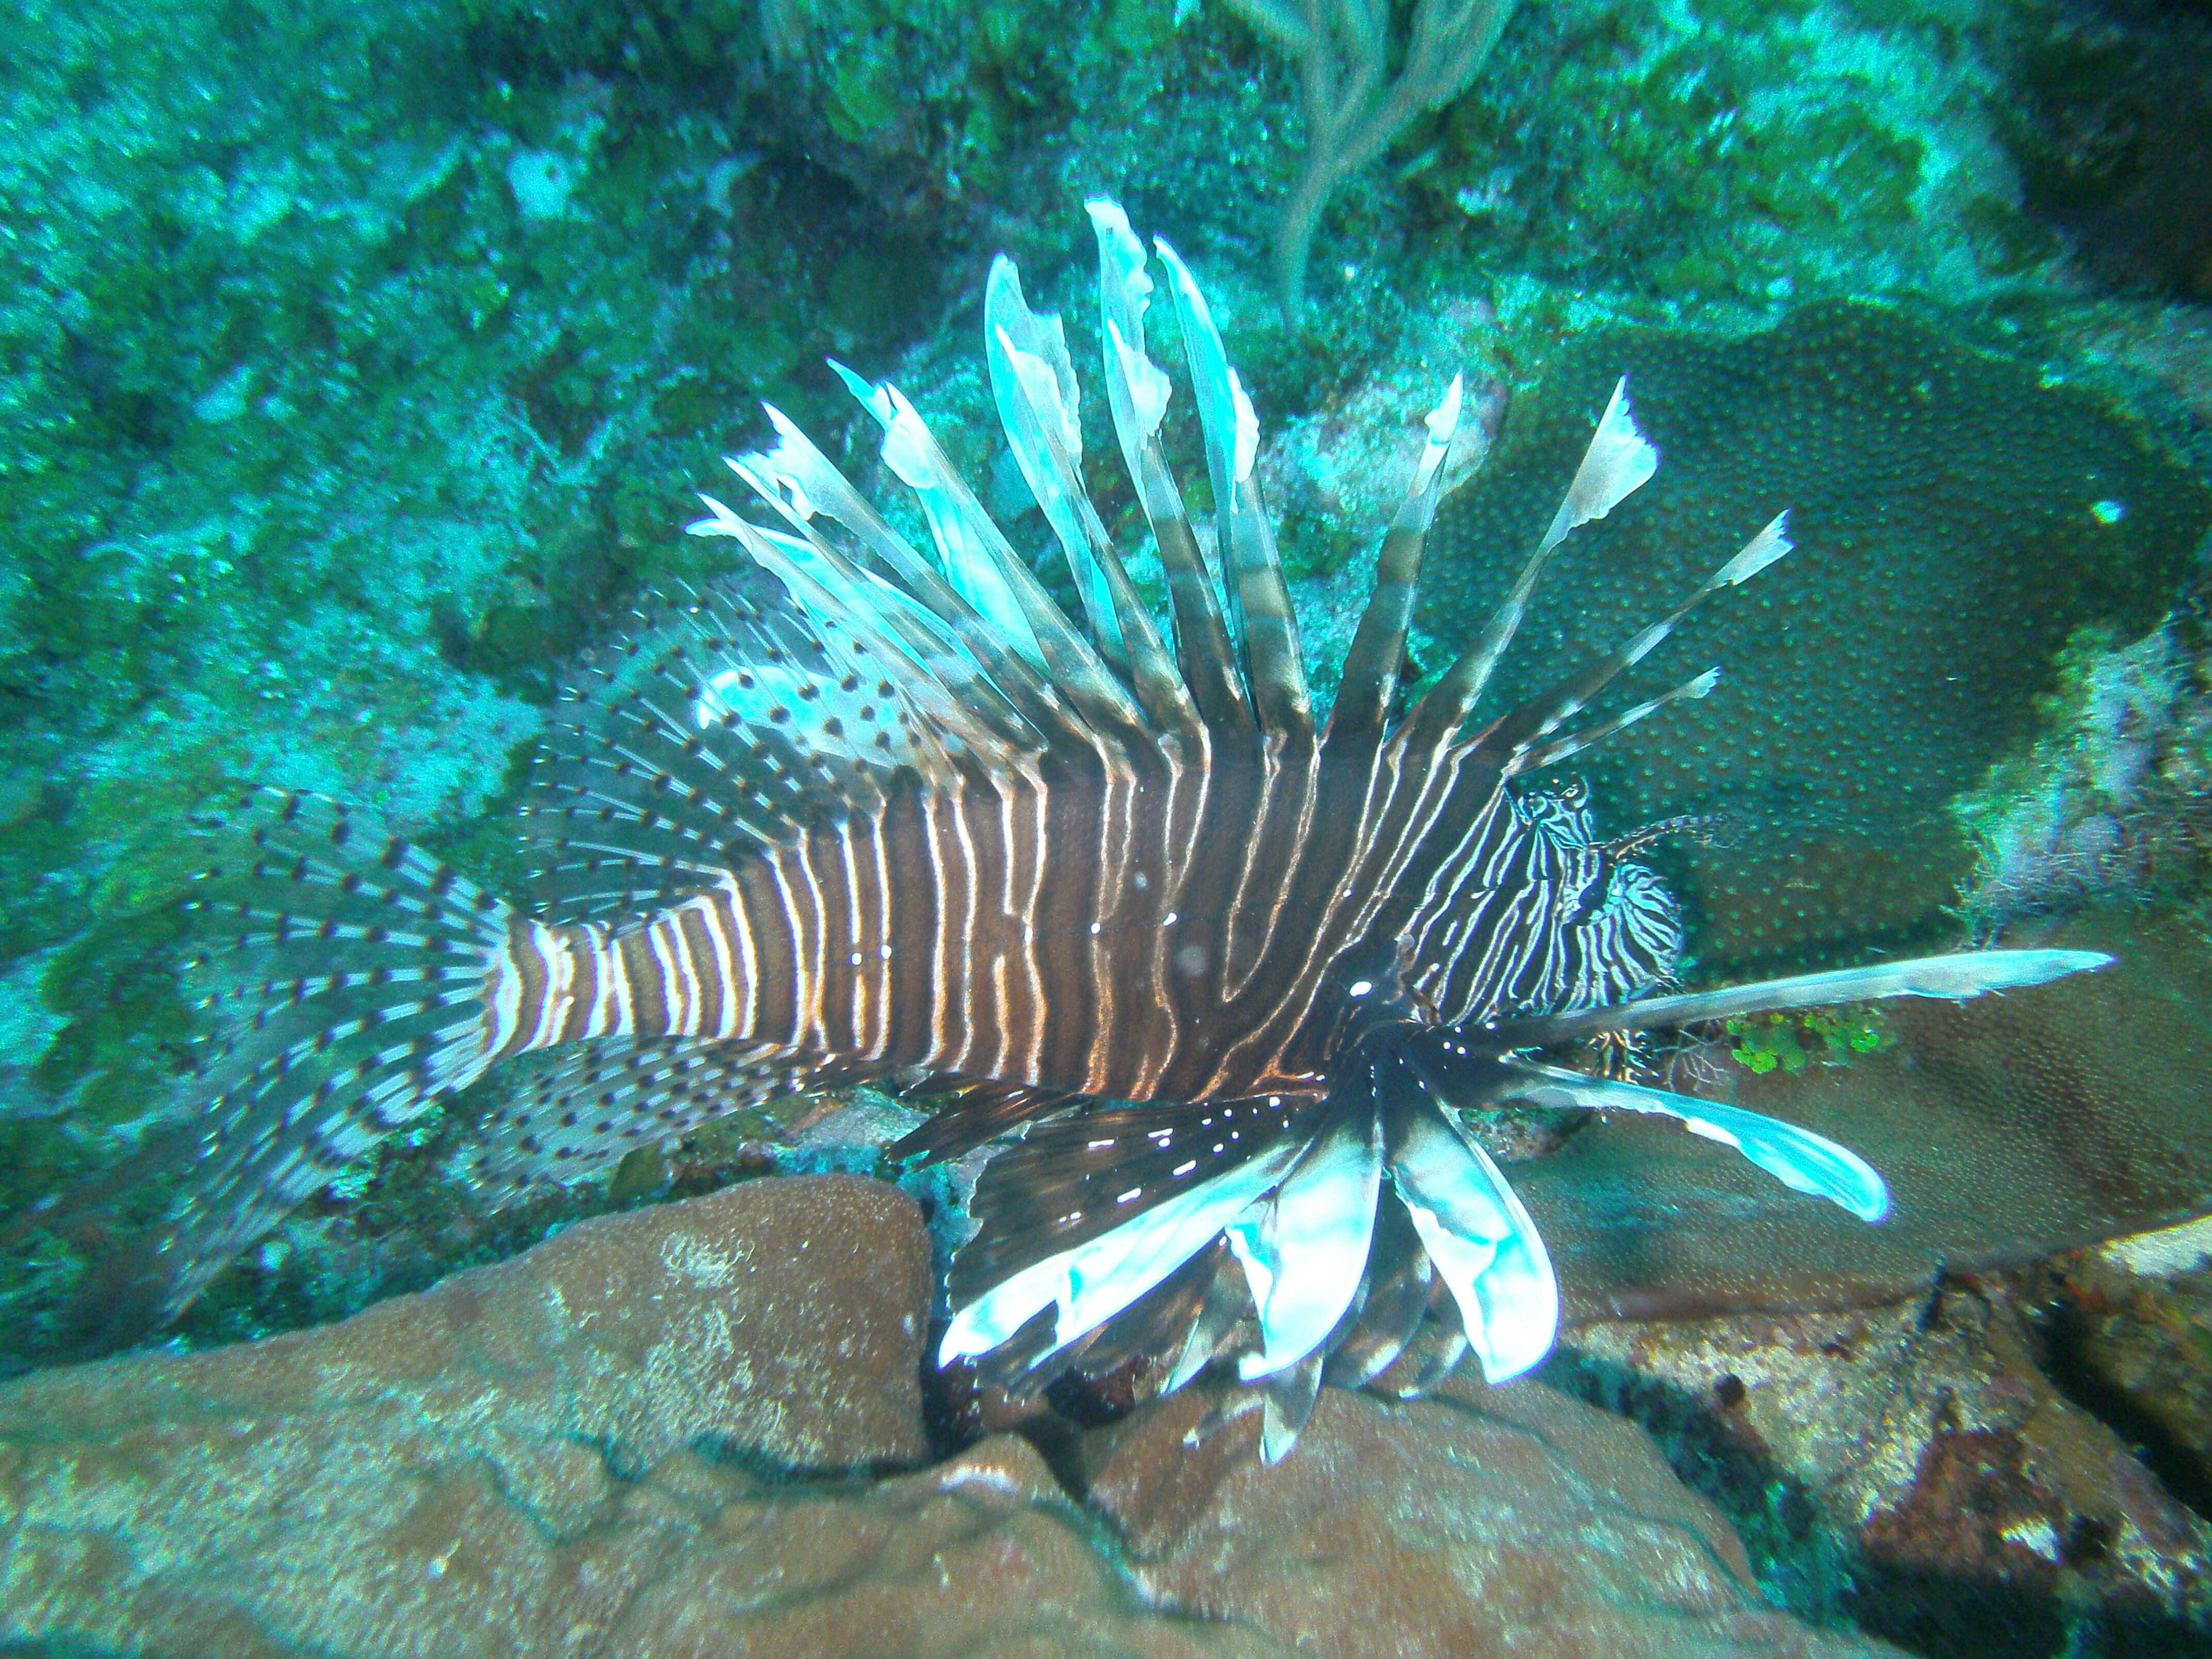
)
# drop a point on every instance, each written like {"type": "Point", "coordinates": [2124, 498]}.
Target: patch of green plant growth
{"type": "Point", "coordinates": [1789, 1040]}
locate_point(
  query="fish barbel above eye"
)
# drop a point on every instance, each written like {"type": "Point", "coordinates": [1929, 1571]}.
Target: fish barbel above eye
{"type": "Point", "coordinates": [1224, 977]}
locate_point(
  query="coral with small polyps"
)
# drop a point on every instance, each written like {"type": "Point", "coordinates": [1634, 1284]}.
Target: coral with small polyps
{"type": "Point", "coordinates": [1956, 518]}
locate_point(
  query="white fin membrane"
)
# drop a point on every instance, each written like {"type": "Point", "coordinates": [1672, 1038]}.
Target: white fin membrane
{"type": "Point", "coordinates": [1798, 1159]}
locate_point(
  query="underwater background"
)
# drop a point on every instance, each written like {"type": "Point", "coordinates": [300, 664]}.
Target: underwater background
{"type": "Point", "coordinates": [357, 364]}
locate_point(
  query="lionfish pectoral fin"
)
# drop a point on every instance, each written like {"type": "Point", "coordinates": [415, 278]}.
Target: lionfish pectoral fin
{"type": "Point", "coordinates": [1399, 1281]}
{"type": "Point", "coordinates": [1800, 1159]}
{"type": "Point", "coordinates": [1475, 1230]}
{"type": "Point", "coordinates": [1304, 1246]}
{"type": "Point", "coordinates": [1094, 1280]}
{"type": "Point", "coordinates": [1961, 974]}
{"type": "Point", "coordinates": [980, 1113]}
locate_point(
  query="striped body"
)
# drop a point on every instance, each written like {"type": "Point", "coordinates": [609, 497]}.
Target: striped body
{"type": "Point", "coordinates": [1168, 932]}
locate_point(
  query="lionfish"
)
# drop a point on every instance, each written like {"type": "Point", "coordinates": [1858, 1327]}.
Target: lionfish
{"type": "Point", "coordinates": [1229, 979]}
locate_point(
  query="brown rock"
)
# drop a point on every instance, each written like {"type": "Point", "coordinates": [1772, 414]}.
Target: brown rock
{"type": "Point", "coordinates": [2007, 1126]}
{"type": "Point", "coordinates": [1514, 1521]}
{"type": "Point", "coordinates": [2147, 1337]}
{"type": "Point", "coordinates": [1977, 1508]}
{"type": "Point", "coordinates": [664, 1435]}
{"type": "Point", "coordinates": [983, 1556]}
{"type": "Point", "coordinates": [456, 1472]}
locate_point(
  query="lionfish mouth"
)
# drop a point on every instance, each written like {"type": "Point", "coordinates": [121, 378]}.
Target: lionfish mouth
{"type": "Point", "coordinates": [1225, 980]}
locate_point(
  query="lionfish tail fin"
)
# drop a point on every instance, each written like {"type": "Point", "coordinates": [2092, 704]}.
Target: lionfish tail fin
{"type": "Point", "coordinates": [354, 983]}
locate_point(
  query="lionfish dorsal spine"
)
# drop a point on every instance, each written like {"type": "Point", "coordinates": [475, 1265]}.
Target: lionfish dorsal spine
{"type": "Point", "coordinates": [1137, 394]}
{"type": "Point", "coordinates": [1542, 716]}
{"type": "Point", "coordinates": [1369, 678]}
{"type": "Point", "coordinates": [979, 562]}
{"type": "Point", "coordinates": [797, 482]}
{"type": "Point", "coordinates": [1033, 381]}
{"type": "Point", "coordinates": [1259, 603]}
{"type": "Point", "coordinates": [1618, 461]}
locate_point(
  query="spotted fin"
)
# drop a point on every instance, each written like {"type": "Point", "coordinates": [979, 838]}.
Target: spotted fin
{"type": "Point", "coordinates": [722, 723]}
{"type": "Point", "coordinates": [348, 976]}
{"type": "Point", "coordinates": [587, 1104]}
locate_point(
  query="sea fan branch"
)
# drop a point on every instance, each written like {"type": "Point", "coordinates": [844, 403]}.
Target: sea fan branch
{"type": "Point", "coordinates": [1353, 106]}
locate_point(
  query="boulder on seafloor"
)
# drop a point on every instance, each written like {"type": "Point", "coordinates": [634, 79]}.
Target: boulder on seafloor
{"type": "Point", "coordinates": [1919, 1469]}
{"type": "Point", "coordinates": [1482, 1522]}
{"type": "Point", "coordinates": [681, 1431]}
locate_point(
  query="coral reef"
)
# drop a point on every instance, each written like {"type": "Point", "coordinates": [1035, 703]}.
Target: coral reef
{"type": "Point", "coordinates": [1917, 1468]}
{"type": "Point", "coordinates": [343, 404]}
{"type": "Point", "coordinates": [1877, 681]}
{"type": "Point", "coordinates": [2113, 800]}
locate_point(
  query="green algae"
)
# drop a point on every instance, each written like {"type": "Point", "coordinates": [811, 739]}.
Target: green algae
{"type": "Point", "coordinates": [1792, 1041]}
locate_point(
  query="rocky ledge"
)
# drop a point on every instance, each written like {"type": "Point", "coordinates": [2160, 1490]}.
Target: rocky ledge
{"type": "Point", "coordinates": [699, 1429]}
